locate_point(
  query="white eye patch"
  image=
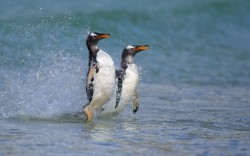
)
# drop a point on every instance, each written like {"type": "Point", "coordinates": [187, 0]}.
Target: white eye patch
{"type": "Point", "coordinates": [93, 34]}
{"type": "Point", "coordinates": [130, 47]}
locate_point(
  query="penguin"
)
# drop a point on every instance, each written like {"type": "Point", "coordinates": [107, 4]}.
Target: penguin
{"type": "Point", "coordinates": [100, 76]}
{"type": "Point", "coordinates": [127, 78]}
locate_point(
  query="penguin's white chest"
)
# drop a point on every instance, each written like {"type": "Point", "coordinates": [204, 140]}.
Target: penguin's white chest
{"type": "Point", "coordinates": [104, 79]}
{"type": "Point", "coordinates": [128, 86]}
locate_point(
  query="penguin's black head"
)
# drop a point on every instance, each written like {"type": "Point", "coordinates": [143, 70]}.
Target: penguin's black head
{"type": "Point", "coordinates": [94, 37]}
{"type": "Point", "coordinates": [130, 51]}
{"type": "Point", "coordinates": [134, 49]}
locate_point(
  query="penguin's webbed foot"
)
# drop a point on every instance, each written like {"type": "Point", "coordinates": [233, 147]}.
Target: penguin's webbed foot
{"type": "Point", "coordinates": [135, 110]}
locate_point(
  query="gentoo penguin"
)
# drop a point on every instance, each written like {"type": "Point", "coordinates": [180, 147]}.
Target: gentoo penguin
{"type": "Point", "coordinates": [100, 77]}
{"type": "Point", "coordinates": [127, 80]}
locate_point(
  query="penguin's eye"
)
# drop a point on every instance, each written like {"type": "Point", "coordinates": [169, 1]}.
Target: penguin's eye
{"type": "Point", "coordinates": [93, 35]}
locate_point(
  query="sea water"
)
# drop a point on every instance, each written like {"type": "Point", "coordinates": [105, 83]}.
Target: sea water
{"type": "Point", "coordinates": [193, 89]}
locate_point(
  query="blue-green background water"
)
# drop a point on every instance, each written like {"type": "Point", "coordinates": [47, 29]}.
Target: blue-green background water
{"type": "Point", "coordinates": [194, 83]}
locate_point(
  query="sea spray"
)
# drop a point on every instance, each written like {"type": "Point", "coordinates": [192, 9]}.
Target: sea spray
{"type": "Point", "coordinates": [53, 89]}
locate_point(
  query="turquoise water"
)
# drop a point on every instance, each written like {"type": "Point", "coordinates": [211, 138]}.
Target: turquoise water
{"type": "Point", "coordinates": [194, 81]}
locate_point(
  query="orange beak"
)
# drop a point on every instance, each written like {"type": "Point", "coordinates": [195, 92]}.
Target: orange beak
{"type": "Point", "coordinates": [141, 47]}
{"type": "Point", "coordinates": [101, 36]}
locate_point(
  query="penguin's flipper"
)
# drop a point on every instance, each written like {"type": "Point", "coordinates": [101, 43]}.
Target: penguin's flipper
{"type": "Point", "coordinates": [119, 74]}
{"type": "Point", "coordinates": [135, 102]}
{"type": "Point", "coordinates": [89, 82]}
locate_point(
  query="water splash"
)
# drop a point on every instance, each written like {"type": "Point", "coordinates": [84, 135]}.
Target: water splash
{"type": "Point", "coordinates": [53, 89]}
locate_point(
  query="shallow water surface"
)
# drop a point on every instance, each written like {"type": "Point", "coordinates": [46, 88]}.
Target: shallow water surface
{"type": "Point", "coordinates": [188, 120]}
